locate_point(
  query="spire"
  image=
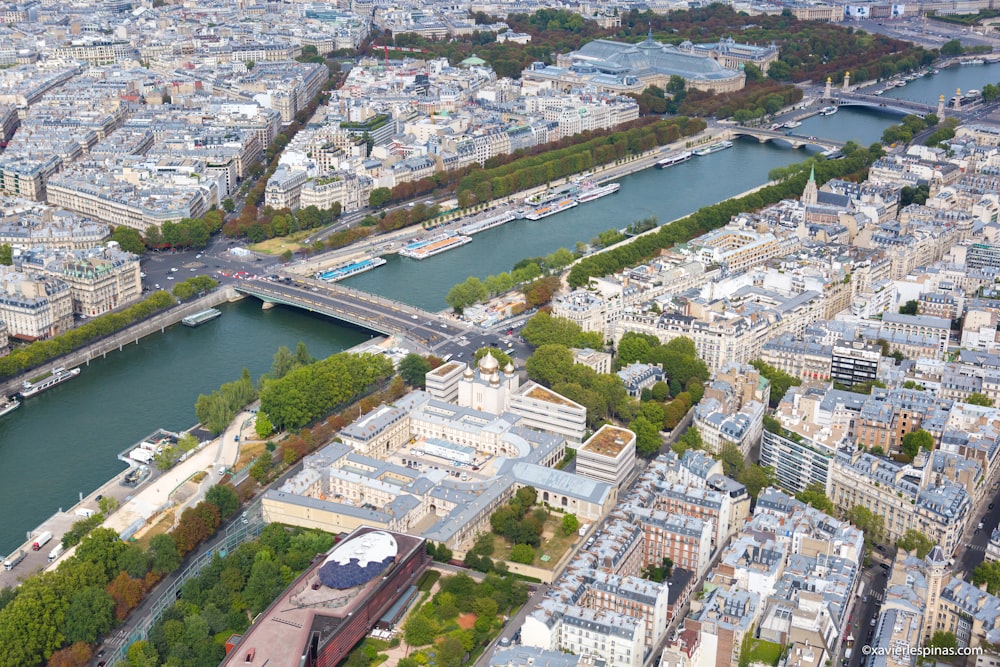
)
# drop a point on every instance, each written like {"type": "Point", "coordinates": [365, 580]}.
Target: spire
{"type": "Point", "coordinates": [812, 174]}
{"type": "Point", "coordinates": [650, 35]}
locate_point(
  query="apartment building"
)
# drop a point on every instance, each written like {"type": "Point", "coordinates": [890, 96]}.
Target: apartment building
{"type": "Point", "coordinates": [904, 330]}
{"type": "Point", "coordinates": [100, 279]}
{"type": "Point", "coordinates": [33, 308]}
{"type": "Point", "coordinates": [685, 540]}
{"type": "Point", "coordinates": [350, 189]}
{"type": "Point", "coordinates": [807, 358]}
{"type": "Point", "coordinates": [607, 636]}
{"type": "Point", "coordinates": [589, 311]}
{"type": "Point", "coordinates": [903, 495]}
{"type": "Point", "coordinates": [854, 362]}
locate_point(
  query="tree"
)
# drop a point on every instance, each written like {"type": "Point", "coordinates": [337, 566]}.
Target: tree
{"type": "Point", "coordinates": [550, 364]}
{"type": "Point", "coordinates": [379, 197]}
{"type": "Point", "coordinates": [914, 441]}
{"type": "Point", "coordinates": [943, 639]}
{"type": "Point", "coordinates": [952, 48]}
{"type": "Point", "coordinates": [163, 552]}
{"type": "Point", "coordinates": [756, 478]}
{"type": "Point", "coordinates": [988, 572]}
{"type": "Point", "coordinates": [908, 308]}
{"type": "Point", "coordinates": [691, 439]}
{"type": "Point", "coordinates": [647, 436]}
{"type": "Point", "coordinates": [869, 523]}
{"type": "Point", "coordinates": [261, 466]}
{"type": "Point", "coordinates": [413, 368]}
{"type": "Point", "coordinates": [142, 654]}
{"type": "Point", "coordinates": [228, 205]}
{"type": "Point", "coordinates": [914, 539]}
{"type": "Point", "coordinates": [90, 615]}
{"type": "Point", "coordinates": [732, 459]}
{"type": "Point", "coordinates": [522, 553]}
{"type": "Point", "coordinates": [263, 426]}
{"type": "Point", "coordinates": [224, 498]}
{"type": "Point", "coordinates": [780, 381]}
{"type": "Point", "coordinates": [420, 630]}
{"type": "Point", "coordinates": [570, 524]}
{"type": "Point", "coordinates": [815, 496]}
{"type": "Point", "coordinates": [6, 254]}
{"type": "Point", "coordinates": [129, 240]}
{"type": "Point", "coordinates": [976, 398]}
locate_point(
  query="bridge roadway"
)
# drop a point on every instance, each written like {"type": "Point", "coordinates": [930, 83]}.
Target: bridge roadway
{"type": "Point", "coordinates": [368, 311]}
{"type": "Point", "coordinates": [795, 140]}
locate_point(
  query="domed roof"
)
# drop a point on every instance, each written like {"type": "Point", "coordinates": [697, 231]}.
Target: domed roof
{"type": "Point", "coordinates": [358, 560]}
{"type": "Point", "coordinates": [489, 364]}
{"type": "Point", "coordinates": [509, 368]}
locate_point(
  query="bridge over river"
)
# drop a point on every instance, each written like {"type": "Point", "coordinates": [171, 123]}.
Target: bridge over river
{"type": "Point", "coordinates": [376, 313]}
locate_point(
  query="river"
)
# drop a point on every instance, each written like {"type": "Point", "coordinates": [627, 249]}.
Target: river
{"type": "Point", "coordinates": [64, 442]}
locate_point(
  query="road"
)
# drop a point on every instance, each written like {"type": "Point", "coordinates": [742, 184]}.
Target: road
{"type": "Point", "coordinates": [360, 308]}
{"type": "Point", "coordinates": [860, 626]}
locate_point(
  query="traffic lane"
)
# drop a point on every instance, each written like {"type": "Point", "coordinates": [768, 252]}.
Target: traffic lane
{"type": "Point", "coordinates": [974, 555]}
{"type": "Point", "coordinates": [372, 312]}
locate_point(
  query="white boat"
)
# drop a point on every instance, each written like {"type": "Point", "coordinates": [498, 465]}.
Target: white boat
{"type": "Point", "coordinates": [476, 226]}
{"type": "Point", "coordinates": [592, 192]}
{"type": "Point", "coordinates": [40, 384]}
{"type": "Point", "coordinates": [352, 269]}
{"type": "Point", "coordinates": [545, 211]}
{"type": "Point", "coordinates": [674, 158]}
{"type": "Point", "coordinates": [8, 404]}
{"type": "Point", "coordinates": [200, 318]}
{"type": "Point", "coordinates": [714, 148]}
{"type": "Point", "coordinates": [973, 61]}
{"type": "Point", "coordinates": [434, 246]}
{"type": "Point", "coordinates": [827, 111]}
{"type": "Point", "coordinates": [792, 124]}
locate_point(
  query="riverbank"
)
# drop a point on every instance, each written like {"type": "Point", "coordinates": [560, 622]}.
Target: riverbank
{"type": "Point", "coordinates": [392, 242]}
{"type": "Point", "coordinates": [133, 334]}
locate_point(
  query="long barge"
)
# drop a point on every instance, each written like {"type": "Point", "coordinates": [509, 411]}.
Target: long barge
{"type": "Point", "coordinates": [539, 212]}
{"type": "Point", "coordinates": [38, 385]}
{"type": "Point", "coordinates": [591, 192]}
{"type": "Point", "coordinates": [674, 158]}
{"type": "Point", "coordinates": [348, 270]}
{"type": "Point", "coordinates": [434, 246]}
{"type": "Point", "coordinates": [201, 318]}
{"type": "Point", "coordinates": [714, 148]}
{"type": "Point", "coordinates": [476, 226]}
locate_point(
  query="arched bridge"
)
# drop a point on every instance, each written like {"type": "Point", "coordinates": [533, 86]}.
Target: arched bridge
{"type": "Point", "coordinates": [783, 136]}
{"type": "Point", "coordinates": [886, 104]}
{"type": "Point", "coordinates": [368, 311]}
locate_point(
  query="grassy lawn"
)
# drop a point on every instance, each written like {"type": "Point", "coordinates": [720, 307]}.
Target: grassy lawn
{"type": "Point", "coordinates": [554, 544]}
{"type": "Point", "coordinates": [280, 244]}
{"type": "Point", "coordinates": [248, 452]}
{"type": "Point", "coordinates": [427, 580]}
{"type": "Point", "coordinates": [764, 651]}
{"type": "Point", "coordinates": [163, 524]}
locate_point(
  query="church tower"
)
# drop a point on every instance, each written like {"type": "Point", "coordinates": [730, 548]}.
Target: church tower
{"type": "Point", "coordinates": [936, 573]}
{"type": "Point", "coordinates": [810, 194]}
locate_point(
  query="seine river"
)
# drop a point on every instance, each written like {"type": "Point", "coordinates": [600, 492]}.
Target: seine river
{"type": "Point", "coordinates": [65, 441]}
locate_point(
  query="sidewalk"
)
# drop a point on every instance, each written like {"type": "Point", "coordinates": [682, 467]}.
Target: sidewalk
{"type": "Point", "coordinates": [221, 452]}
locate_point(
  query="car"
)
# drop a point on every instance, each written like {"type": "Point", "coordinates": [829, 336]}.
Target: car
{"type": "Point", "coordinates": [98, 498]}
{"type": "Point", "coordinates": [864, 599]}
{"type": "Point", "coordinates": [173, 269]}
{"type": "Point", "coordinates": [414, 317]}
{"type": "Point", "coordinates": [157, 286]}
{"type": "Point", "coordinates": [198, 256]}
{"type": "Point", "coordinates": [170, 277]}
{"type": "Point", "coordinates": [192, 270]}
{"type": "Point", "coordinates": [991, 505]}
{"type": "Point", "coordinates": [980, 526]}
{"type": "Point", "coordinates": [873, 621]}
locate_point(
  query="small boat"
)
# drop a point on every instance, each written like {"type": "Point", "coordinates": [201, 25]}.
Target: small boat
{"type": "Point", "coordinates": [792, 124]}
{"type": "Point", "coordinates": [827, 111]}
{"type": "Point", "coordinates": [200, 318]}
{"type": "Point", "coordinates": [8, 404]}
{"type": "Point", "coordinates": [38, 385]}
